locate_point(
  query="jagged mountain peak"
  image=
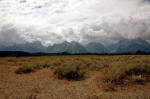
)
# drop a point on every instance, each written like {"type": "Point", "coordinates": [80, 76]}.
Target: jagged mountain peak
{"type": "Point", "coordinates": [71, 47]}
{"type": "Point", "coordinates": [95, 47]}
{"type": "Point", "coordinates": [130, 45]}
{"type": "Point", "coordinates": [124, 45]}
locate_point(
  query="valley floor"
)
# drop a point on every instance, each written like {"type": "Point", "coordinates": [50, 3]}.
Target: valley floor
{"type": "Point", "coordinates": [43, 84]}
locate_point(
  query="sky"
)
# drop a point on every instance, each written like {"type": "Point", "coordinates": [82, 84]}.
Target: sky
{"type": "Point", "coordinates": [84, 21]}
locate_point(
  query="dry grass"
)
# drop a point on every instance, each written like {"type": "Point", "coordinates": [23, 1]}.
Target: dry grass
{"type": "Point", "coordinates": [101, 73]}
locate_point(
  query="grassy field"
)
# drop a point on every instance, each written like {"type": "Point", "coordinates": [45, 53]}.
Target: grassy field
{"type": "Point", "coordinates": [75, 77]}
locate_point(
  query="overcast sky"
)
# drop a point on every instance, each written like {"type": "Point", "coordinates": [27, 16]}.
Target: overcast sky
{"type": "Point", "coordinates": [54, 21]}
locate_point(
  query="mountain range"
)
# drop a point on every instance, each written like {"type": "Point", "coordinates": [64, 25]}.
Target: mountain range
{"type": "Point", "coordinates": [72, 47]}
{"type": "Point", "coordinates": [123, 46]}
{"type": "Point", "coordinates": [130, 46]}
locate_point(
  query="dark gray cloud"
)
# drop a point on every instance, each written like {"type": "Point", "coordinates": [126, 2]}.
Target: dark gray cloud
{"type": "Point", "coordinates": [9, 35]}
{"type": "Point", "coordinates": [146, 0]}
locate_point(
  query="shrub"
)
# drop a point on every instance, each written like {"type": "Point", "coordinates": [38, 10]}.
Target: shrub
{"type": "Point", "coordinates": [31, 68]}
{"type": "Point", "coordinates": [109, 87]}
{"type": "Point", "coordinates": [93, 97]}
{"type": "Point", "coordinates": [137, 79]}
{"type": "Point", "coordinates": [118, 72]}
{"type": "Point", "coordinates": [45, 65]}
{"type": "Point", "coordinates": [37, 66]}
{"type": "Point", "coordinates": [70, 71]}
{"type": "Point", "coordinates": [41, 65]}
{"type": "Point", "coordinates": [24, 69]}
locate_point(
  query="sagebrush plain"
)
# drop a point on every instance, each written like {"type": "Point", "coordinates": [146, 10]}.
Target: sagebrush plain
{"type": "Point", "coordinates": [75, 77]}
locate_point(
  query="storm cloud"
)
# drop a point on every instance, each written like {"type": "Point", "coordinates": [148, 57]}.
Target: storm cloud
{"type": "Point", "coordinates": [84, 21]}
{"type": "Point", "coordinates": [9, 35]}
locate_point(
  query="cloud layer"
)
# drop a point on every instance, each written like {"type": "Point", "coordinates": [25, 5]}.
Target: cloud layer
{"type": "Point", "coordinates": [54, 21]}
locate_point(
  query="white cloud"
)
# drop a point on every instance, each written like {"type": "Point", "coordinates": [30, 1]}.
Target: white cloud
{"type": "Point", "coordinates": [76, 20]}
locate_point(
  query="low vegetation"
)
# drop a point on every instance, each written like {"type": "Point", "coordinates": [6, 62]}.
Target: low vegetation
{"type": "Point", "coordinates": [31, 68]}
{"type": "Point", "coordinates": [25, 69]}
{"type": "Point", "coordinates": [120, 73]}
{"type": "Point", "coordinates": [82, 77]}
{"type": "Point", "coordinates": [70, 71]}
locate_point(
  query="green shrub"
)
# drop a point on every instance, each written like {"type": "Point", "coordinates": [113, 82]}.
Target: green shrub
{"type": "Point", "coordinates": [70, 71]}
{"type": "Point", "coordinates": [24, 69]}
{"type": "Point", "coordinates": [41, 65]}
{"type": "Point", "coordinates": [37, 66]}
{"type": "Point", "coordinates": [45, 65]}
{"type": "Point", "coordinates": [32, 67]}
{"type": "Point", "coordinates": [118, 72]}
{"type": "Point", "coordinates": [108, 87]}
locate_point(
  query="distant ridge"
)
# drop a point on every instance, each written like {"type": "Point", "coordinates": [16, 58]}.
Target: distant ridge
{"type": "Point", "coordinates": [72, 47]}
{"type": "Point", "coordinates": [123, 46]}
{"type": "Point", "coordinates": [95, 47]}
{"type": "Point", "coordinates": [130, 46]}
